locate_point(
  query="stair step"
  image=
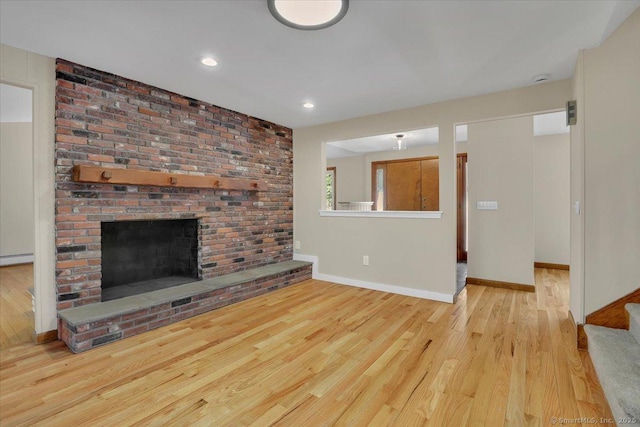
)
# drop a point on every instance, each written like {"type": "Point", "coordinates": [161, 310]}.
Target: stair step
{"type": "Point", "coordinates": [634, 320]}
{"type": "Point", "coordinates": [616, 357]}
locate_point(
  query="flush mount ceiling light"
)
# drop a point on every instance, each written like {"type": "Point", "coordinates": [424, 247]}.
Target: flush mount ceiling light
{"type": "Point", "coordinates": [307, 105]}
{"type": "Point", "coordinates": [400, 144]}
{"type": "Point", "coordinates": [540, 78]}
{"type": "Point", "coordinates": [308, 15]}
{"type": "Point", "coordinates": [209, 62]}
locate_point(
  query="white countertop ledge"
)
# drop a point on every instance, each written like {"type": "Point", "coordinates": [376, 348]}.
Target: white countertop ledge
{"type": "Point", "coordinates": [384, 214]}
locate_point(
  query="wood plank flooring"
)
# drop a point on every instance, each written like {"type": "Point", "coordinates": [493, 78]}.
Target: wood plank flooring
{"type": "Point", "coordinates": [16, 315]}
{"type": "Point", "coordinates": [319, 354]}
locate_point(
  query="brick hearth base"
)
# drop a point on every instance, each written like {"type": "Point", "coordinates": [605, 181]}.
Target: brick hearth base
{"type": "Point", "coordinates": [83, 328]}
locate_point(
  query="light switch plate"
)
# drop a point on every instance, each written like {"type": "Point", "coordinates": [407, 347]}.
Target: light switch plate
{"type": "Point", "coordinates": [487, 205]}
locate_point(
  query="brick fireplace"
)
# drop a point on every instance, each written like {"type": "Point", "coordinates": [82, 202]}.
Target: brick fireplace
{"type": "Point", "coordinates": [110, 121]}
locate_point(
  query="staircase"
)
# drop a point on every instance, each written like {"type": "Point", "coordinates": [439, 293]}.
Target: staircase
{"type": "Point", "coordinates": [616, 357]}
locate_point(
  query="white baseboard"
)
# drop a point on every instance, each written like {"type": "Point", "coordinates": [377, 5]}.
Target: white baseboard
{"type": "Point", "coordinates": [393, 289]}
{"type": "Point", "coordinates": [308, 258]}
{"type": "Point", "coordinates": [15, 259]}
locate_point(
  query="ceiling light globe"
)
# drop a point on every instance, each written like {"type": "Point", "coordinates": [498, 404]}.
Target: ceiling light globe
{"type": "Point", "coordinates": [308, 15]}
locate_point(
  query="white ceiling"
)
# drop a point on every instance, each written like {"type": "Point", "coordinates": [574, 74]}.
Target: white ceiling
{"type": "Point", "coordinates": [384, 55]}
{"type": "Point", "coordinates": [370, 144]}
{"type": "Point", "coordinates": [15, 104]}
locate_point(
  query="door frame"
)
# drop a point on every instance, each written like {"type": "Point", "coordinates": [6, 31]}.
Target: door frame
{"type": "Point", "coordinates": [36, 72]}
{"type": "Point", "coordinates": [461, 202]}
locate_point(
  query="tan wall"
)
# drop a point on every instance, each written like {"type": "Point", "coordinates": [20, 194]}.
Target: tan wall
{"type": "Point", "coordinates": [350, 179]}
{"type": "Point", "coordinates": [552, 201]}
{"type": "Point", "coordinates": [612, 166]}
{"type": "Point", "coordinates": [413, 253]}
{"type": "Point", "coordinates": [16, 190]}
{"type": "Point", "coordinates": [501, 242]}
{"type": "Point", "coordinates": [37, 72]}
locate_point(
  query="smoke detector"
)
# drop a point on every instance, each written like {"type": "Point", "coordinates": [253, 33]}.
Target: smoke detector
{"type": "Point", "coordinates": [540, 78]}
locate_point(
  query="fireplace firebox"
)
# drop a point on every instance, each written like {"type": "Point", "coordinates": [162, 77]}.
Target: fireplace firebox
{"type": "Point", "coordinates": [144, 256]}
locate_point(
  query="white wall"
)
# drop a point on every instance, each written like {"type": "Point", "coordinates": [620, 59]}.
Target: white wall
{"type": "Point", "coordinates": [16, 191]}
{"type": "Point", "coordinates": [413, 253]}
{"type": "Point", "coordinates": [612, 166]}
{"type": "Point", "coordinates": [36, 72]}
{"type": "Point", "coordinates": [552, 199]}
{"type": "Point", "coordinates": [501, 242]}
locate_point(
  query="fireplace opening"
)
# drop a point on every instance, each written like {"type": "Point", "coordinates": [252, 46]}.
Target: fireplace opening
{"type": "Point", "coordinates": [144, 256]}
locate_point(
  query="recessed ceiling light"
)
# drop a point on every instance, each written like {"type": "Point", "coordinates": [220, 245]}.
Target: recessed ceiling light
{"type": "Point", "coordinates": [210, 62]}
{"type": "Point", "coordinates": [308, 15]}
{"type": "Point", "coordinates": [307, 105]}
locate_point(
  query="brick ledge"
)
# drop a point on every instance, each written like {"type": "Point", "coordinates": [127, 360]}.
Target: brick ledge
{"type": "Point", "coordinates": [86, 327]}
{"type": "Point", "coordinates": [93, 312]}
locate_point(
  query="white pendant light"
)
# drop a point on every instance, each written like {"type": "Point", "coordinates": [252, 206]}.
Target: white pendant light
{"type": "Point", "coordinates": [308, 15]}
{"type": "Point", "coordinates": [400, 144]}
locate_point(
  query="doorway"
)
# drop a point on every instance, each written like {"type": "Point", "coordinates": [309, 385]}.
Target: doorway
{"type": "Point", "coordinates": [17, 229]}
{"type": "Point", "coordinates": [462, 207]}
{"type": "Point", "coordinates": [516, 215]}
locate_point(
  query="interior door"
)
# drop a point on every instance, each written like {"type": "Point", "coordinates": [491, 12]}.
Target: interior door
{"type": "Point", "coordinates": [430, 185]}
{"type": "Point", "coordinates": [403, 186]}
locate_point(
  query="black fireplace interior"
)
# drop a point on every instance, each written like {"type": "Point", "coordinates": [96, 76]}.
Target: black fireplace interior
{"type": "Point", "coordinates": [143, 256]}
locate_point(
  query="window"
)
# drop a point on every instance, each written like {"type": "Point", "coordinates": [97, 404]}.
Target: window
{"type": "Point", "coordinates": [330, 181]}
{"type": "Point", "coordinates": [378, 194]}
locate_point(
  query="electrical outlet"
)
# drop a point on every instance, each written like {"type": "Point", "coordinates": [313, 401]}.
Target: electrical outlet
{"type": "Point", "coordinates": [296, 244]}
{"type": "Point", "coordinates": [365, 260]}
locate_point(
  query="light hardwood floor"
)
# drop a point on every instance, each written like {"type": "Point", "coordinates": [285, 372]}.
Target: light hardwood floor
{"type": "Point", "coordinates": [16, 315]}
{"type": "Point", "coordinates": [323, 354]}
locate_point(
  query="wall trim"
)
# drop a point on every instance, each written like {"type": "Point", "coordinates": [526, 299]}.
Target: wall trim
{"type": "Point", "coordinates": [502, 285]}
{"type": "Point", "coordinates": [383, 287]}
{"type": "Point", "coordinates": [308, 258]}
{"type": "Point", "coordinates": [573, 325]}
{"type": "Point", "coordinates": [613, 315]}
{"type": "Point", "coordinates": [577, 330]}
{"type": "Point", "coordinates": [16, 259]}
{"type": "Point", "coordinates": [46, 337]}
{"type": "Point", "coordinates": [551, 266]}
{"type": "Point", "coordinates": [384, 214]}
{"type": "Point", "coordinates": [581, 337]}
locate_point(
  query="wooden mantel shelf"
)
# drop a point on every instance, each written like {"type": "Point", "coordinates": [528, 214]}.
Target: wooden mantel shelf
{"type": "Point", "coordinates": [106, 175]}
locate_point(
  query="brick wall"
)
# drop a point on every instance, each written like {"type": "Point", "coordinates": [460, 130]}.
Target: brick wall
{"type": "Point", "coordinates": [103, 119]}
